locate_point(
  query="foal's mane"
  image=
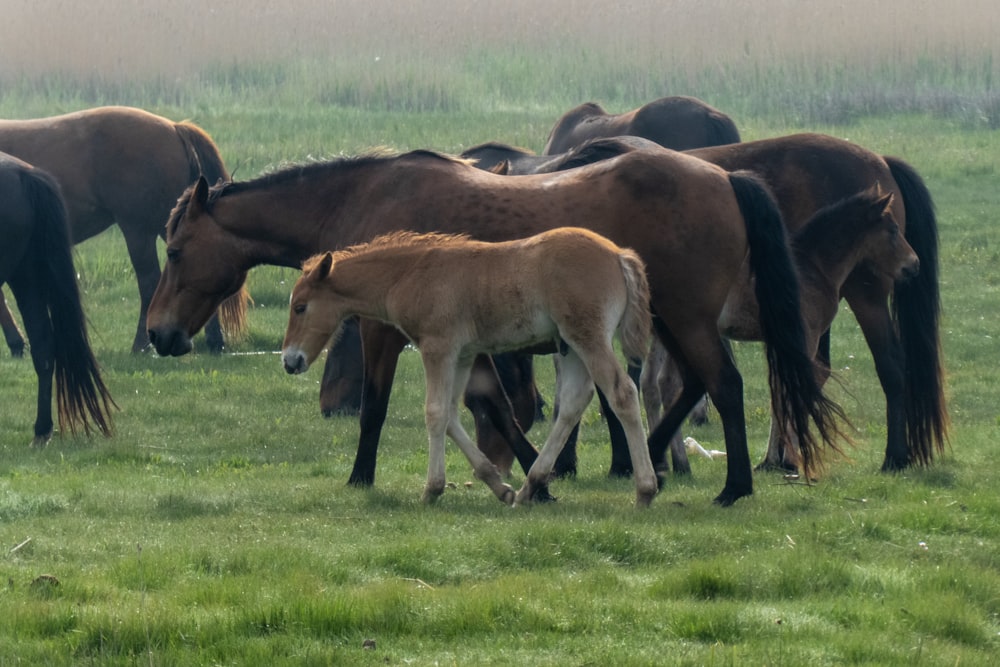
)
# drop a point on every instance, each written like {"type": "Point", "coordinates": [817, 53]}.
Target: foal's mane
{"type": "Point", "coordinates": [402, 239]}
{"type": "Point", "coordinates": [817, 232]}
{"type": "Point", "coordinates": [305, 170]}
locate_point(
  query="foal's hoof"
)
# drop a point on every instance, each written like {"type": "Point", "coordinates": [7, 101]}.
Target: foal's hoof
{"type": "Point", "coordinates": [508, 496]}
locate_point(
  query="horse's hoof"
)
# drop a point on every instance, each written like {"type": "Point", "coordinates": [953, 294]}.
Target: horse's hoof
{"type": "Point", "coordinates": [620, 471]}
{"type": "Point", "coordinates": [644, 500]}
{"type": "Point", "coordinates": [729, 496]}
{"type": "Point", "coordinates": [509, 496]}
{"type": "Point", "coordinates": [40, 441]}
{"type": "Point", "coordinates": [542, 495]}
{"type": "Point", "coordinates": [893, 465]}
{"type": "Point", "coordinates": [430, 496]}
{"type": "Point", "coordinates": [17, 351]}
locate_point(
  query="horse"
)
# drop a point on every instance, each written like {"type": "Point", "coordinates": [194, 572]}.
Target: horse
{"type": "Point", "coordinates": [11, 333]}
{"type": "Point", "coordinates": [807, 172]}
{"type": "Point", "coordinates": [857, 231]}
{"type": "Point", "coordinates": [36, 261]}
{"type": "Point", "coordinates": [692, 223]}
{"type": "Point", "coordinates": [677, 122]}
{"type": "Point", "coordinates": [124, 166]}
{"type": "Point", "coordinates": [567, 289]}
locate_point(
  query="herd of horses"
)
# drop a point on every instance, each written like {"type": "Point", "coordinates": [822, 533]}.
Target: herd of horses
{"type": "Point", "coordinates": [754, 240]}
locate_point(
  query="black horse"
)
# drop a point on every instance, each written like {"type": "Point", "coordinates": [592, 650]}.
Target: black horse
{"type": "Point", "coordinates": [36, 261]}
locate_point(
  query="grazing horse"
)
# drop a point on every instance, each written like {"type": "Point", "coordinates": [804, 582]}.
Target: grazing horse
{"type": "Point", "coordinates": [692, 223]}
{"type": "Point", "coordinates": [567, 289]}
{"type": "Point", "coordinates": [11, 334]}
{"type": "Point", "coordinates": [124, 166]}
{"type": "Point", "coordinates": [36, 261]}
{"type": "Point", "coordinates": [676, 122]}
{"type": "Point", "coordinates": [857, 231]}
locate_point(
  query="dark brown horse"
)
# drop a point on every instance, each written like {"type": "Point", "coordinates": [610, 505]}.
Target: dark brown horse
{"type": "Point", "coordinates": [807, 172]}
{"type": "Point", "coordinates": [124, 166]}
{"type": "Point", "coordinates": [36, 261]}
{"type": "Point", "coordinates": [854, 232]}
{"type": "Point", "coordinates": [676, 122]}
{"type": "Point", "coordinates": [687, 219]}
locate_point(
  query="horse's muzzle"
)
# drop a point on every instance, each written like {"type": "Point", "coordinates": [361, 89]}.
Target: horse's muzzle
{"type": "Point", "coordinates": [171, 343]}
{"type": "Point", "coordinates": [294, 361]}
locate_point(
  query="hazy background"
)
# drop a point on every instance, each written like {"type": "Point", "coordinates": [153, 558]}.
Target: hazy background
{"type": "Point", "coordinates": [443, 54]}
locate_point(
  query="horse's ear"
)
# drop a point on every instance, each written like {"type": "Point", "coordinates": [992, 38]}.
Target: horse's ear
{"type": "Point", "coordinates": [199, 197]}
{"type": "Point", "coordinates": [325, 264]}
{"type": "Point", "coordinates": [502, 168]}
{"type": "Point", "coordinates": [884, 203]}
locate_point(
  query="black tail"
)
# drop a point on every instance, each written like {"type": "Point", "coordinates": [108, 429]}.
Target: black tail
{"type": "Point", "coordinates": [81, 394]}
{"type": "Point", "coordinates": [791, 374]}
{"type": "Point", "coordinates": [916, 308]}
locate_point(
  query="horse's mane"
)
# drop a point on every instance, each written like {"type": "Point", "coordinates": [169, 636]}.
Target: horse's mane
{"type": "Point", "coordinates": [817, 233]}
{"type": "Point", "coordinates": [497, 146]}
{"type": "Point", "coordinates": [311, 169]}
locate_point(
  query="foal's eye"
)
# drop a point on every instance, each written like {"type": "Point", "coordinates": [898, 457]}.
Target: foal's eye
{"type": "Point", "coordinates": [173, 255]}
{"type": "Point", "coordinates": [299, 308]}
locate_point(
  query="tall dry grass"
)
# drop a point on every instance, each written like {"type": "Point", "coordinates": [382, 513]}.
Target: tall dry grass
{"type": "Point", "coordinates": [827, 62]}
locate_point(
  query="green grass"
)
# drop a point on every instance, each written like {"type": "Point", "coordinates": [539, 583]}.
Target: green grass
{"type": "Point", "coordinates": [216, 527]}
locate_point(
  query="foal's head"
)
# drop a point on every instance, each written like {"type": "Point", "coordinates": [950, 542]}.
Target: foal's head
{"type": "Point", "coordinates": [314, 315]}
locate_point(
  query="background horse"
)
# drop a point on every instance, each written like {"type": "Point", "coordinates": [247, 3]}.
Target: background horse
{"type": "Point", "coordinates": [676, 122]}
{"type": "Point", "coordinates": [567, 288]}
{"type": "Point", "coordinates": [686, 218]}
{"type": "Point", "coordinates": [36, 261]}
{"type": "Point", "coordinates": [124, 166]}
{"type": "Point", "coordinates": [857, 231]}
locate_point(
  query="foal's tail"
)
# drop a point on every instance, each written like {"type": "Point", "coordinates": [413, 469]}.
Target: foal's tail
{"type": "Point", "coordinates": [916, 307]}
{"type": "Point", "coordinates": [795, 394]}
{"type": "Point", "coordinates": [205, 160]}
{"type": "Point", "coordinates": [81, 395]}
{"type": "Point", "coordinates": [636, 325]}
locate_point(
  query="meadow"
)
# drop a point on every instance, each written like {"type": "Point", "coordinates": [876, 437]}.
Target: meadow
{"type": "Point", "coordinates": [216, 526]}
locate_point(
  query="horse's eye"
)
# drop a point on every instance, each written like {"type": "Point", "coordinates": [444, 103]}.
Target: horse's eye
{"type": "Point", "coordinates": [299, 308]}
{"type": "Point", "coordinates": [173, 255]}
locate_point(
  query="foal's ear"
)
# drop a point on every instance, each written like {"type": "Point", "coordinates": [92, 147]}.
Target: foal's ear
{"type": "Point", "coordinates": [323, 270]}
{"type": "Point", "coordinates": [199, 197]}
{"type": "Point", "coordinates": [883, 204]}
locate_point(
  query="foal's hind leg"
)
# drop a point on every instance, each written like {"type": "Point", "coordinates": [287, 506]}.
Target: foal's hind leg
{"type": "Point", "coordinates": [575, 391]}
{"type": "Point", "coordinates": [623, 397]}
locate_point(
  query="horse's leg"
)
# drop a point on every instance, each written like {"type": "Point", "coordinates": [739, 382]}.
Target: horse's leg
{"type": "Point", "coordinates": [621, 459]}
{"type": "Point", "coordinates": [623, 398]}
{"type": "Point", "coordinates": [343, 374]}
{"type": "Point", "coordinates": [439, 372]}
{"type": "Point", "coordinates": [382, 345]}
{"type": "Point", "coordinates": [15, 341]}
{"type": "Point", "coordinates": [499, 431]}
{"type": "Point", "coordinates": [38, 327]}
{"type": "Point", "coordinates": [146, 264]}
{"type": "Point", "coordinates": [671, 385]}
{"type": "Point", "coordinates": [575, 391]}
{"type": "Point", "coordinates": [482, 467]}
{"type": "Point", "coordinates": [565, 465]}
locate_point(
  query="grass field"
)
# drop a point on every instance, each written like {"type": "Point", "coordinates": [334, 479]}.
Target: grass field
{"type": "Point", "coordinates": [216, 527]}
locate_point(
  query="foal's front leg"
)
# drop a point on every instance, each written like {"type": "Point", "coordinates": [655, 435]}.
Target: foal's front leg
{"type": "Point", "coordinates": [446, 379]}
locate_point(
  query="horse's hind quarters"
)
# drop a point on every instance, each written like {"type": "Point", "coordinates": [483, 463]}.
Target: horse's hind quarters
{"type": "Point", "coordinates": [294, 360]}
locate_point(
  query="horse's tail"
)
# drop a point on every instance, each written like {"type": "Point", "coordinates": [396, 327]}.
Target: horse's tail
{"type": "Point", "coordinates": [81, 395]}
{"type": "Point", "coordinates": [916, 308]}
{"type": "Point", "coordinates": [205, 160]}
{"type": "Point", "coordinates": [636, 325]}
{"type": "Point", "coordinates": [795, 393]}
